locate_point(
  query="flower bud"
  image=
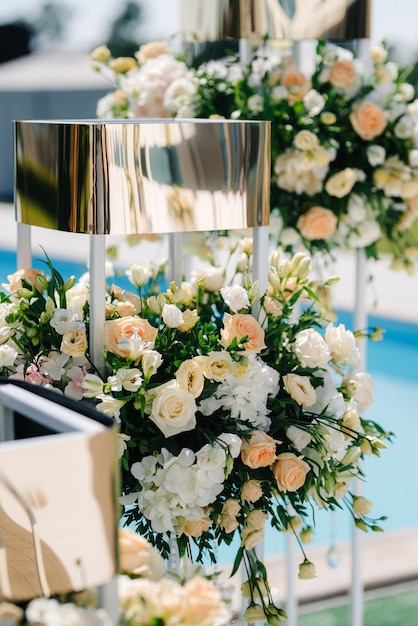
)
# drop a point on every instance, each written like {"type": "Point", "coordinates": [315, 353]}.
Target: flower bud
{"type": "Point", "coordinates": [306, 570]}
{"type": "Point", "coordinates": [361, 505]}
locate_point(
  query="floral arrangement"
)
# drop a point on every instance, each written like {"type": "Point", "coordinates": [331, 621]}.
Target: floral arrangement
{"type": "Point", "coordinates": [149, 595]}
{"type": "Point", "coordinates": [344, 137]}
{"type": "Point", "coordinates": [236, 408]}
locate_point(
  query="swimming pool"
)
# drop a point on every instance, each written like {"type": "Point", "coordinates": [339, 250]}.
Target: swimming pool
{"type": "Point", "coordinates": [393, 363]}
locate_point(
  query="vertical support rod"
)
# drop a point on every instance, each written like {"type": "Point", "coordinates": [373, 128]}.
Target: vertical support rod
{"type": "Point", "coordinates": [260, 260]}
{"type": "Point", "coordinates": [291, 595]}
{"type": "Point", "coordinates": [175, 269]}
{"type": "Point", "coordinates": [108, 599]}
{"type": "Point", "coordinates": [97, 300]}
{"type": "Point", "coordinates": [24, 246]}
{"type": "Point", "coordinates": [360, 322]}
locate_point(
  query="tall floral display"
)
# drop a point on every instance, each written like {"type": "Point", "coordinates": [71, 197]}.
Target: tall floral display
{"type": "Point", "coordinates": [344, 136]}
{"type": "Point", "coordinates": [237, 408]}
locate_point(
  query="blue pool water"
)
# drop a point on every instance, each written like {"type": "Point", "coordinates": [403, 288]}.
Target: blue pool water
{"type": "Point", "coordinates": [393, 364]}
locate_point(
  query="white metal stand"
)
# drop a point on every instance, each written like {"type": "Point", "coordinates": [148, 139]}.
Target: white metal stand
{"type": "Point", "coordinates": [97, 268]}
{"type": "Point", "coordinates": [360, 322]}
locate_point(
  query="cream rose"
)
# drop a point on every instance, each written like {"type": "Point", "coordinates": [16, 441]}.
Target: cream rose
{"type": "Point", "coordinates": [152, 50]}
{"type": "Point", "coordinates": [340, 184]}
{"type": "Point", "coordinates": [120, 334]}
{"type": "Point", "coordinates": [138, 557]}
{"type": "Point", "coordinates": [122, 65]}
{"type": "Point", "coordinates": [300, 389]}
{"type": "Point", "coordinates": [217, 365]}
{"type": "Point", "coordinates": [259, 450]}
{"type": "Point", "coordinates": [317, 223]}
{"type": "Point", "coordinates": [361, 505]}
{"type": "Point", "coordinates": [243, 325]}
{"type": "Point", "coordinates": [305, 140]}
{"type": "Point", "coordinates": [368, 120]}
{"type": "Point", "coordinates": [250, 537]}
{"type": "Point", "coordinates": [190, 376]}
{"type": "Point", "coordinates": [173, 409]}
{"type": "Point", "coordinates": [190, 319]}
{"type": "Point", "coordinates": [290, 471]}
{"type": "Point", "coordinates": [74, 343]}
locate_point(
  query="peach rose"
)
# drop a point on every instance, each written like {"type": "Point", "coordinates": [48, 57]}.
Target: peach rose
{"type": "Point", "coordinates": [259, 450]}
{"type": "Point", "coordinates": [251, 491]}
{"type": "Point", "coordinates": [195, 528]}
{"type": "Point", "coordinates": [342, 74]}
{"type": "Point", "coordinates": [152, 50]}
{"type": "Point", "coordinates": [15, 280]}
{"type": "Point", "coordinates": [250, 537]}
{"type": "Point", "coordinates": [138, 557]}
{"type": "Point", "coordinates": [203, 600]}
{"type": "Point", "coordinates": [119, 332]}
{"type": "Point", "coordinates": [290, 471]}
{"type": "Point", "coordinates": [243, 325]}
{"type": "Point", "coordinates": [368, 120]}
{"type": "Point", "coordinates": [296, 83]}
{"type": "Point", "coordinates": [317, 223]}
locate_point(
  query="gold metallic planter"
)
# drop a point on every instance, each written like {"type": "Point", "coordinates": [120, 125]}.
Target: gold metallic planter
{"type": "Point", "coordinates": [142, 176]}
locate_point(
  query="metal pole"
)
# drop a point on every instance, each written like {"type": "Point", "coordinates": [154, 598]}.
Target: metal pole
{"type": "Point", "coordinates": [360, 322]}
{"type": "Point", "coordinates": [97, 300]}
{"type": "Point", "coordinates": [24, 246]}
{"type": "Point", "coordinates": [175, 268]}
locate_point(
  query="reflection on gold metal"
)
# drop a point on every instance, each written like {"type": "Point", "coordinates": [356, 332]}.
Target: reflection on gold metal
{"type": "Point", "coordinates": [58, 519]}
{"type": "Point", "coordinates": [216, 20]}
{"type": "Point", "coordinates": [117, 177]}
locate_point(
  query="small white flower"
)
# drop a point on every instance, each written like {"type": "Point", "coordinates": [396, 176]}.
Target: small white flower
{"type": "Point", "coordinates": [8, 356]}
{"type": "Point", "coordinates": [110, 406]}
{"type": "Point", "coordinates": [236, 297]}
{"type": "Point", "coordinates": [172, 316]}
{"type": "Point", "coordinates": [63, 320]}
{"type": "Point", "coordinates": [93, 386]}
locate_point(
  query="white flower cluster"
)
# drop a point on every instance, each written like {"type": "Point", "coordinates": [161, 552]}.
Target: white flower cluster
{"type": "Point", "coordinates": [245, 397]}
{"type": "Point", "coordinates": [175, 487]}
{"type": "Point", "coordinates": [49, 612]}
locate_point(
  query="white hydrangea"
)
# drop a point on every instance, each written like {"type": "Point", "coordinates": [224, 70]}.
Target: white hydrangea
{"type": "Point", "coordinates": [245, 397]}
{"type": "Point", "coordinates": [179, 486]}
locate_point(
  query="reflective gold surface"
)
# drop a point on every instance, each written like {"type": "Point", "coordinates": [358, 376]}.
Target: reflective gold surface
{"type": "Point", "coordinates": [58, 519]}
{"type": "Point", "coordinates": [142, 176]}
{"type": "Point", "coordinates": [216, 20]}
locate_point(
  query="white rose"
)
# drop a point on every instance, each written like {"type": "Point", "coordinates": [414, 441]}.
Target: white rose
{"type": "Point", "coordinates": [360, 387]}
{"type": "Point", "coordinates": [376, 155]}
{"type": "Point", "coordinates": [405, 127]}
{"type": "Point", "coordinates": [365, 233]}
{"type": "Point", "coordinates": [172, 316]}
{"type": "Point", "coordinates": [300, 389]}
{"type": "Point", "coordinates": [356, 208]}
{"type": "Point", "coordinates": [63, 320]}
{"type": "Point", "coordinates": [342, 345]}
{"type": "Point", "coordinates": [213, 278]}
{"type": "Point", "coordinates": [299, 437]}
{"type": "Point", "coordinates": [314, 102]}
{"type": "Point", "coordinates": [255, 103]}
{"type": "Point", "coordinates": [311, 349]}
{"type": "Point", "coordinates": [173, 409]}
{"type": "Point", "coordinates": [8, 356]}
{"type": "Point", "coordinates": [236, 297]}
